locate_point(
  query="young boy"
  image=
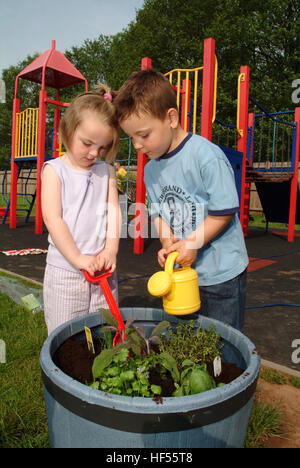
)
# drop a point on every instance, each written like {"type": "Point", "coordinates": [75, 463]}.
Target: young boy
{"type": "Point", "coordinates": [191, 188]}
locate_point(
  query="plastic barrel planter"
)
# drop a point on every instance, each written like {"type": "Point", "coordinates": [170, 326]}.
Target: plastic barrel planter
{"type": "Point", "coordinates": [82, 417]}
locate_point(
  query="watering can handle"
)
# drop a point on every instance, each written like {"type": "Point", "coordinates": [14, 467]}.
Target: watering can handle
{"type": "Point", "coordinates": [169, 265]}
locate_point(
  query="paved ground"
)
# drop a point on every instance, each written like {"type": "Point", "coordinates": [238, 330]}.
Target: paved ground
{"type": "Point", "coordinates": [274, 278]}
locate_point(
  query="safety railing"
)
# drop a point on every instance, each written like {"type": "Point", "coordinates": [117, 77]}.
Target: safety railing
{"type": "Point", "coordinates": [26, 133]}
{"type": "Point", "coordinates": [185, 82]}
{"type": "Point", "coordinates": [273, 139]}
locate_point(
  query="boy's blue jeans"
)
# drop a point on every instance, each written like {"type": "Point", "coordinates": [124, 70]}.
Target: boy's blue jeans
{"type": "Point", "coordinates": [225, 301]}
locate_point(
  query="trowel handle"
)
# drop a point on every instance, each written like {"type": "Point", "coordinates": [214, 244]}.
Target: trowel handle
{"type": "Point", "coordinates": [169, 265]}
{"type": "Point", "coordinates": [111, 302]}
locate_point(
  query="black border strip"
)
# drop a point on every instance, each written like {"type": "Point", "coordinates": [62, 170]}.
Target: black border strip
{"type": "Point", "coordinates": [145, 423]}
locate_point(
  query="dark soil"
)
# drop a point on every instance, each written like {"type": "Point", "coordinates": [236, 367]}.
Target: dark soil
{"type": "Point", "coordinates": [74, 359]}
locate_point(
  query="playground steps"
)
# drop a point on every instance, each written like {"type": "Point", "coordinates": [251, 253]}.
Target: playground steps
{"type": "Point", "coordinates": [29, 198]}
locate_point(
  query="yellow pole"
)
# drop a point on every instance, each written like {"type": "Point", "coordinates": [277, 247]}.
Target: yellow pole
{"type": "Point", "coordinates": [187, 72]}
{"type": "Point", "coordinates": [187, 76]}
{"type": "Point", "coordinates": [240, 131]}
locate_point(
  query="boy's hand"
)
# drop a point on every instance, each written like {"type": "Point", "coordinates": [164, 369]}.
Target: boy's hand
{"type": "Point", "coordinates": [107, 260]}
{"type": "Point", "coordinates": [163, 252]}
{"type": "Point", "coordinates": [186, 256]}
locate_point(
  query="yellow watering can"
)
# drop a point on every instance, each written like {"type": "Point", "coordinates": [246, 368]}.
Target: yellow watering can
{"type": "Point", "coordinates": [178, 287]}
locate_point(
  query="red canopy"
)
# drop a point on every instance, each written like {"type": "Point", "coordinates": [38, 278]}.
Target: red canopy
{"type": "Point", "coordinates": [57, 69]}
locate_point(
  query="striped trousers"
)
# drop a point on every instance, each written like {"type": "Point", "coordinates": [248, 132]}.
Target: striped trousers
{"type": "Point", "coordinates": [68, 295]}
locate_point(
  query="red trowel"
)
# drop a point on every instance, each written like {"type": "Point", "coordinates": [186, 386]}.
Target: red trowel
{"type": "Point", "coordinates": [101, 279]}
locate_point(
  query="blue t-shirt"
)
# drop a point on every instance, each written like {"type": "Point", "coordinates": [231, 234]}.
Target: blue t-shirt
{"type": "Point", "coordinates": [186, 185]}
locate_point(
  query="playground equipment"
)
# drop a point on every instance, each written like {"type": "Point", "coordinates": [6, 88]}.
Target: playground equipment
{"type": "Point", "coordinates": [191, 120]}
{"type": "Point", "coordinates": [279, 205]}
{"type": "Point", "coordinates": [51, 69]}
{"type": "Point", "coordinates": [277, 185]}
{"type": "Point", "coordinates": [275, 170]}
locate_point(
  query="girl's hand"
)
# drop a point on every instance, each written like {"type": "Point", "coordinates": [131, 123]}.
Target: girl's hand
{"type": "Point", "coordinates": [186, 256]}
{"type": "Point", "coordinates": [88, 263]}
{"type": "Point", "coordinates": [107, 260]}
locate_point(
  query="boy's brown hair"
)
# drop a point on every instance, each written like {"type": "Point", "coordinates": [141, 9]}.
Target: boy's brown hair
{"type": "Point", "coordinates": [145, 91]}
{"type": "Point", "coordinates": [93, 101]}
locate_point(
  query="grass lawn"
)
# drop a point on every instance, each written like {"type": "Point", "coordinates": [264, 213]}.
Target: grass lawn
{"type": "Point", "coordinates": [258, 220]}
{"type": "Point", "coordinates": [23, 421]}
{"type": "Point", "coordinates": [22, 203]}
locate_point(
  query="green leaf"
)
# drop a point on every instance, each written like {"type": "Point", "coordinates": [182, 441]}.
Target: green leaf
{"type": "Point", "coordinates": [179, 391]}
{"type": "Point", "coordinates": [143, 380]}
{"type": "Point", "coordinates": [170, 364]}
{"type": "Point", "coordinates": [129, 322]}
{"type": "Point", "coordinates": [108, 329]}
{"type": "Point", "coordinates": [127, 375]}
{"type": "Point", "coordinates": [122, 356]}
{"type": "Point", "coordinates": [112, 371]}
{"type": "Point", "coordinates": [108, 338]}
{"type": "Point", "coordinates": [140, 331]}
{"type": "Point", "coordinates": [160, 327]}
{"type": "Point", "coordinates": [109, 318]}
{"type": "Point", "coordinates": [144, 391]}
{"type": "Point", "coordinates": [155, 339]}
{"type": "Point", "coordinates": [187, 362]}
{"type": "Point", "coordinates": [101, 362]}
{"type": "Point", "coordinates": [115, 382]}
{"type": "Point", "coordinates": [94, 385]}
{"type": "Point", "coordinates": [135, 386]}
{"type": "Point", "coordinates": [134, 343]}
{"type": "Point", "coordinates": [156, 389]}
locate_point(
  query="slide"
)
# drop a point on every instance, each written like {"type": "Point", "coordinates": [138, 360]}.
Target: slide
{"type": "Point", "coordinates": [275, 201]}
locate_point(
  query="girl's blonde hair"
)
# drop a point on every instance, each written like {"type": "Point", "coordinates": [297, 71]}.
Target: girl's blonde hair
{"type": "Point", "coordinates": [99, 101]}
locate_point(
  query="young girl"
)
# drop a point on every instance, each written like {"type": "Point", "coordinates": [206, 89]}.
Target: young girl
{"type": "Point", "coordinates": [80, 209]}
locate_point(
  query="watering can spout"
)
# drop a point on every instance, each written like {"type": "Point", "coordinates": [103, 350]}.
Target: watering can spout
{"type": "Point", "coordinates": [178, 288]}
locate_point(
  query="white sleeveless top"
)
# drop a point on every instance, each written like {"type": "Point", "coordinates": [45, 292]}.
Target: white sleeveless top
{"type": "Point", "coordinates": [84, 197]}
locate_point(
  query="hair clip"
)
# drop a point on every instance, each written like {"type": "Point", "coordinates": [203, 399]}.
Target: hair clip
{"type": "Point", "coordinates": [107, 96]}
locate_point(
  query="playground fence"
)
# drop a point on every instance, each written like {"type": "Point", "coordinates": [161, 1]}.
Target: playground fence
{"type": "Point", "coordinates": [24, 174]}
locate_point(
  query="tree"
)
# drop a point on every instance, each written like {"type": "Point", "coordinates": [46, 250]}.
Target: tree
{"type": "Point", "coordinates": [263, 34]}
{"type": "Point", "coordinates": [29, 97]}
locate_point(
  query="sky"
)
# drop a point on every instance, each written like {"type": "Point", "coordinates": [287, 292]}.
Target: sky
{"type": "Point", "coordinates": [29, 26]}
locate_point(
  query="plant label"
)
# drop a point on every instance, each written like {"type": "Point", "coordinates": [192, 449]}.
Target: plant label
{"type": "Point", "coordinates": [2, 352]}
{"type": "Point", "coordinates": [217, 366]}
{"type": "Point", "coordinates": [31, 303]}
{"type": "Point", "coordinates": [89, 340]}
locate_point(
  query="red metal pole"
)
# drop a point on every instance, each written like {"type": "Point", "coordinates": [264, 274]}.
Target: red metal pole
{"type": "Point", "coordinates": [208, 88]}
{"type": "Point", "coordinates": [243, 137]}
{"type": "Point", "coordinates": [294, 182]}
{"type": "Point", "coordinates": [139, 226]}
{"type": "Point", "coordinates": [14, 168]}
{"type": "Point", "coordinates": [40, 160]}
{"type": "Point", "coordinates": [247, 191]}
